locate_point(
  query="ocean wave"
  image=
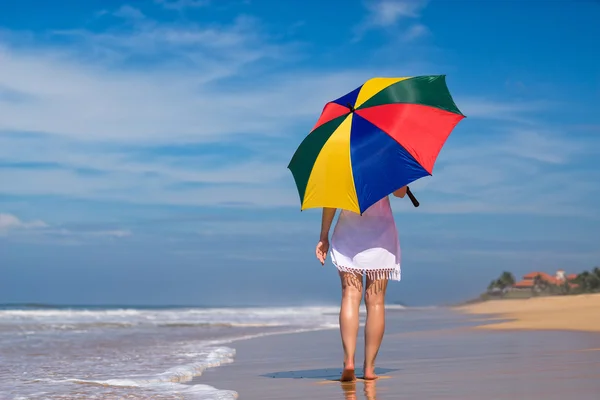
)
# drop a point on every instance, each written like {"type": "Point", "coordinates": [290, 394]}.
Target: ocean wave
{"type": "Point", "coordinates": [84, 319]}
{"type": "Point", "coordinates": [181, 373]}
{"type": "Point", "coordinates": [80, 319]}
{"type": "Point", "coordinates": [395, 307]}
{"type": "Point", "coordinates": [172, 380]}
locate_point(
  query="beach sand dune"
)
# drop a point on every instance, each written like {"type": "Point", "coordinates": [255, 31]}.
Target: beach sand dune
{"type": "Point", "coordinates": [578, 313]}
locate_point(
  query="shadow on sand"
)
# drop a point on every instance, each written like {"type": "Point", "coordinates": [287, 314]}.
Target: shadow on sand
{"type": "Point", "coordinates": [330, 374]}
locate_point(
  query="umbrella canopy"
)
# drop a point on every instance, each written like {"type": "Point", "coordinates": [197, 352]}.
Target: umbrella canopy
{"type": "Point", "coordinates": [378, 138]}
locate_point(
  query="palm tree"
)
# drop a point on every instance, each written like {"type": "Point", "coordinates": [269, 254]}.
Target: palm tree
{"type": "Point", "coordinates": [589, 281]}
{"type": "Point", "coordinates": [507, 279]}
{"type": "Point", "coordinates": [581, 281]}
{"type": "Point", "coordinates": [593, 282]}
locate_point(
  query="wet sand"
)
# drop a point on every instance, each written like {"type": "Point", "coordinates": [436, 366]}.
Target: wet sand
{"type": "Point", "coordinates": [426, 355]}
{"type": "Point", "coordinates": [578, 313]}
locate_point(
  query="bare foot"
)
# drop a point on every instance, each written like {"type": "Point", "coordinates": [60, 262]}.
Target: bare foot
{"type": "Point", "coordinates": [370, 374]}
{"type": "Point", "coordinates": [348, 373]}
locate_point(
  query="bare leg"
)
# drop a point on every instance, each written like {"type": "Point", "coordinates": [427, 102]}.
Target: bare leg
{"type": "Point", "coordinates": [352, 287]}
{"type": "Point", "coordinates": [375, 325]}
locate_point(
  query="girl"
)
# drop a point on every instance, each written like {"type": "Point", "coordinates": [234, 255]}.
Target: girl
{"type": "Point", "coordinates": [362, 245]}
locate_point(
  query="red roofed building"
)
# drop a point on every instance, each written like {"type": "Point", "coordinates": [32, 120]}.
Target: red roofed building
{"type": "Point", "coordinates": [524, 284]}
{"type": "Point", "coordinates": [529, 280]}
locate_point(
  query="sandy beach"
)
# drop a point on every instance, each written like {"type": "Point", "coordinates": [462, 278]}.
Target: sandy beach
{"type": "Point", "coordinates": [431, 354]}
{"type": "Point", "coordinates": [576, 313]}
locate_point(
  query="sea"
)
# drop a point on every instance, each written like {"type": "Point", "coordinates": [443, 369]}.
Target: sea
{"type": "Point", "coordinates": [119, 352]}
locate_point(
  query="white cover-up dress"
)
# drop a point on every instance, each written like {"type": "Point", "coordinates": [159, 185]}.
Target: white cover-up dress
{"type": "Point", "coordinates": [367, 244]}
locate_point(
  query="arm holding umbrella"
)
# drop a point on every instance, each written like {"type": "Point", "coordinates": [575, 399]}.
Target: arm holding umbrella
{"type": "Point", "coordinates": [405, 190]}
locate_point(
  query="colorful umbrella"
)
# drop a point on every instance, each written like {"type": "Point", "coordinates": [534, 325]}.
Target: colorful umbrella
{"type": "Point", "coordinates": [378, 138]}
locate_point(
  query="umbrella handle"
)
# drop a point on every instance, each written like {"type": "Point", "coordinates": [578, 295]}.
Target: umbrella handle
{"type": "Point", "coordinates": [412, 197]}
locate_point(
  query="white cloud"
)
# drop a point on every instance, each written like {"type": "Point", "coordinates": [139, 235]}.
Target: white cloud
{"type": "Point", "coordinates": [95, 94]}
{"type": "Point", "coordinates": [117, 163]}
{"type": "Point", "coordinates": [416, 31]}
{"type": "Point", "coordinates": [386, 14]}
{"type": "Point", "coordinates": [180, 5]}
{"type": "Point", "coordinates": [513, 111]}
{"type": "Point", "coordinates": [588, 128]}
{"type": "Point", "coordinates": [129, 12]}
{"type": "Point", "coordinates": [389, 12]}
{"type": "Point", "coordinates": [144, 190]}
{"type": "Point", "coordinates": [519, 171]}
{"type": "Point", "coordinates": [542, 146]}
{"type": "Point", "coordinates": [10, 222]}
{"type": "Point", "coordinates": [116, 233]}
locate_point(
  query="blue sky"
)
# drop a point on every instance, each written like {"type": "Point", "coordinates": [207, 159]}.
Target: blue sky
{"type": "Point", "coordinates": [144, 145]}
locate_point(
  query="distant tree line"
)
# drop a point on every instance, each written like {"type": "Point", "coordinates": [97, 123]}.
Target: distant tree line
{"type": "Point", "coordinates": [586, 282]}
{"type": "Point", "coordinates": [504, 281]}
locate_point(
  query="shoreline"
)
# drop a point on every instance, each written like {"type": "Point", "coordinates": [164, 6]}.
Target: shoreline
{"type": "Point", "coordinates": [570, 313]}
{"type": "Point", "coordinates": [429, 354]}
